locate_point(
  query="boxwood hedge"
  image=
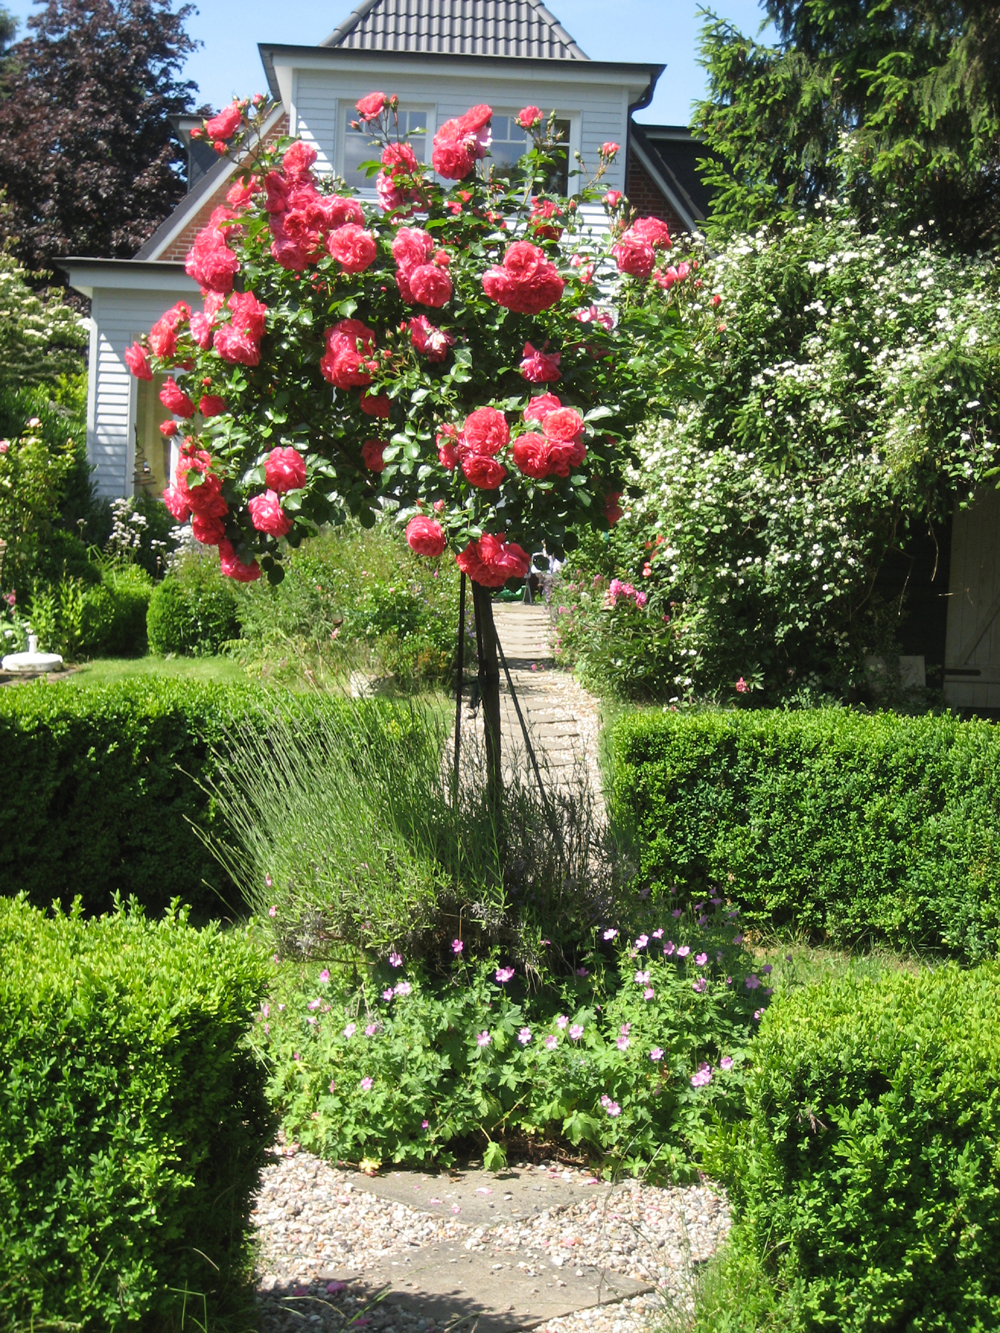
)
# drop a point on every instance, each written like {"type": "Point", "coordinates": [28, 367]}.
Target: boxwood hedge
{"type": "Point", "coordinates": [851, 826]}
{"type": "Point", "coordinates": [134, 1119]}
{"type": "Point", "coordinates": [866, 1181]}
{"type": "Point", "coordinates": [105, 790]}
{"type": "Point", "coordinates": [101, 790]}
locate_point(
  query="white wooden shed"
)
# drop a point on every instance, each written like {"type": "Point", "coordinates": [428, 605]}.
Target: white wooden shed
{"type": "Point", "coordinates": [972, 646]}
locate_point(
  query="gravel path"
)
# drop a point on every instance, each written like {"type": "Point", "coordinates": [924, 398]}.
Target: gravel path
{"type": "Point", "coordinates": [312, 1218]}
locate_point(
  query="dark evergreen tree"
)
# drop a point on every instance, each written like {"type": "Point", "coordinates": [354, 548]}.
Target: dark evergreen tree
{"type": "Point", "coordinates": [88, 157]}
{"type": "Point", "coordinates": [896, 106]}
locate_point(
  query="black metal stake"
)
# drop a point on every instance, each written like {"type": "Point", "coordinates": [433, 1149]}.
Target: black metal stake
{"type": "Point", "coordinates": [459, 675]}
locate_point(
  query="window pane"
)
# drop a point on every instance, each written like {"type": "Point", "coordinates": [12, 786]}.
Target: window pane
{"type": "Point", "coordinates": [510, 142]}
{"type": "Point", "coordinates": [359, 146]}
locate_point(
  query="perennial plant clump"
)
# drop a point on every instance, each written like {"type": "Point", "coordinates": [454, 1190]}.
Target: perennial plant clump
{"type": "Point", "coordinates": [473, 352]}
{"type": "Point", "coordinates": [626, 1055]}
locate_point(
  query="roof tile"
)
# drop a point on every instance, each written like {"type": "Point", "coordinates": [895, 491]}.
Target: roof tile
{"type": "Point", "coordinates": [522, 28]}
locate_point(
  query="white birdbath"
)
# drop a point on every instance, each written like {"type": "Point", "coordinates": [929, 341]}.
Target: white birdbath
{"type": "Point", "coordinates": [32, 660]}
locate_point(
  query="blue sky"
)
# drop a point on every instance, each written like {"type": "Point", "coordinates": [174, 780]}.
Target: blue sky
{"type": "Point", "coordinates": [639, 30]}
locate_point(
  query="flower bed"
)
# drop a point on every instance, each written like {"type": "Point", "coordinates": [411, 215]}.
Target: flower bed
{"type": "Point", "coordinates": [625, 1055]}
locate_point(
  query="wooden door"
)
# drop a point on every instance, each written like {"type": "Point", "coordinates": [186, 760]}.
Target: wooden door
{"type": "Point", "coordinates": [972, 648]}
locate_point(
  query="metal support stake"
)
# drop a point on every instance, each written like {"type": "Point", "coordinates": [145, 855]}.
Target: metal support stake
{"type": "Point", "coordinates": [459, 676]}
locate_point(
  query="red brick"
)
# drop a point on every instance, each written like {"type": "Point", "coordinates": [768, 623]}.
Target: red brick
{"type": "Point", "coordinates": [647, 198]}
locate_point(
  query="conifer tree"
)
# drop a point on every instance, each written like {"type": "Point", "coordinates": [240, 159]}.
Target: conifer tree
{"type": "Point", "coordinates": [894, 105]}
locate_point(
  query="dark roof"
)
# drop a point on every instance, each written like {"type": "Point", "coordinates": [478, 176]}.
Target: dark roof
{"type": "Point", "coordinates": [457, 27]}
{"type": "Point", "coordinates": [674, 152]}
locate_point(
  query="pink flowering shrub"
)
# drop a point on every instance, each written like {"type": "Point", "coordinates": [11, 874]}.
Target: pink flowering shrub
{"type": "Point", "coordinates": [362, 344]}
{"type": "Point", "coordinates": [626, 1058]}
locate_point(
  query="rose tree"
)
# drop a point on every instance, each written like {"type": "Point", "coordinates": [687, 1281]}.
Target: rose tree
{"type": "Point", "coordinates": [470, 352]}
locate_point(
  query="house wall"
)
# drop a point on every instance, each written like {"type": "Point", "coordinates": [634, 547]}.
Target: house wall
{"type": "Point", "coordinates": [117, 318]}
{"type": "Point", "coordinates": [323, 102]}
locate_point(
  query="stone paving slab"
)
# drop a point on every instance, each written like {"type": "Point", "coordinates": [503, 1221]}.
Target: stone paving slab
{"type": "Point", "coordinates": [493, 1290]}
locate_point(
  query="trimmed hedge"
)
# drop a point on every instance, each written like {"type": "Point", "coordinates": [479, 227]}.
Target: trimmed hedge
{"type": "Point", "coordinates": [866, 1183]}
{"type": "Point", "coordinates": [134, 1119]}
{"type": "Point", "coordinates": [856, 827]}
{"type": "Point", "coordinates": [100, 792]}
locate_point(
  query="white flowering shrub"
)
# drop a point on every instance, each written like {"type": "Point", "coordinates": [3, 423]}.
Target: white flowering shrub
{"type": "Point", "coordinates": [850, 395]}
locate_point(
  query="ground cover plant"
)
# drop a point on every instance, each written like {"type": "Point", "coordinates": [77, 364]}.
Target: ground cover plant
{"type": "Point", "coordinates": [864, 1181]}
{"type": "Point", "coordinates": [625, 1056]}
{"type": "Point", "coordinates": [134, 1120]}
{"type": "Point", "coordinates": [851, 827]}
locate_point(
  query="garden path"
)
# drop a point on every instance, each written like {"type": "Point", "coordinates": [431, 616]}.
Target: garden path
{"type": "Point", "coordinates": [561, 717]}
{"type": "Point", "coordinates": [538, 1245]}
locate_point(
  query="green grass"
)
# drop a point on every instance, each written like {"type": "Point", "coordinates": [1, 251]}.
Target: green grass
{"type": "Point", "coordinates": [109, 670]}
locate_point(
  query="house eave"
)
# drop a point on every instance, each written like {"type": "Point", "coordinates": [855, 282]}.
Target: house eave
{"type": "Point", "coordinates": [672, 190]}
{"type": "Point", "coordinates": [639, 77]}
{"type": "Point", "coordinates": [87, 275]}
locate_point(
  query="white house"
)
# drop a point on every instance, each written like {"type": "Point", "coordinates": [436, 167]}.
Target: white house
{"type": "Point", "coordinates": [439, 57]}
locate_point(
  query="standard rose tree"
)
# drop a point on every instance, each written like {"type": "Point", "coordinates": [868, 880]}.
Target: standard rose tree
{"type": "Point", "coordinates": [353, 355]}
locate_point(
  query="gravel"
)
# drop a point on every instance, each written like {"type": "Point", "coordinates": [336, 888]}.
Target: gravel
{"type": "Point", "coordinates": [312, 1218]}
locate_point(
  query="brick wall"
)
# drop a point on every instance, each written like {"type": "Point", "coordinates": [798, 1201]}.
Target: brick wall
{"type": "Point", "coordinates": [646, 198]}
{"type": "Point", "coordinates": [182, 242]}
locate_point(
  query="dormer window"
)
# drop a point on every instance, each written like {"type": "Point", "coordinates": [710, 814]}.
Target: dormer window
{"type": "Point", "coordinates": [359, 146]}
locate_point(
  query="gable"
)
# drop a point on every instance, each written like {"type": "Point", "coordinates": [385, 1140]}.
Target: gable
{"type": "Point", "coordinates": [523, 28]}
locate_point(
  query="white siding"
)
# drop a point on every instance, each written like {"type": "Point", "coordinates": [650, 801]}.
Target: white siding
{"type": "Point", "coordinates": [118, 318]}
{"type": "Point", "coordinates": [316, 118]}
{"type": "Point", "coordinates": [972, 651]}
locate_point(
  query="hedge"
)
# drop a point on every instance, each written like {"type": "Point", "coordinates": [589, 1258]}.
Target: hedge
{"type": "Point", "coordinates": [866, 1182]}
{"type": "Point", "coordinates": [857, 827]}
{"type": "Point", "coordinates": [134, 1121]}
{"type": "Point", "coordinates": [100, 792]}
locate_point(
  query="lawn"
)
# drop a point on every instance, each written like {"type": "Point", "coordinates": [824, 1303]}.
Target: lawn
{"type": "Point", "coordinates": [109, 670]}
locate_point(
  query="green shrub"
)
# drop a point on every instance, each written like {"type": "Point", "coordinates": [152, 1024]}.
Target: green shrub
{"type": "Point", "coordinates": [866, 1182]}
{"type": "Point", "coordinates": [859, 827]}
{"type": "Point", "coordinates": [113, 789]}
{"type": "Point", "coordinates": [113, 623]}
{"type": "Point", "coordinates": [193, 611]}
{"type": "Point", "coordinates": [134, 1119]}
{"type": "Point", "coordinates": [602, 1056]}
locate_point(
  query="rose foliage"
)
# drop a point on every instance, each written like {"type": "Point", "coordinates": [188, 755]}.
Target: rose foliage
{"type": "Point", "coordinates": [472, 352]}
